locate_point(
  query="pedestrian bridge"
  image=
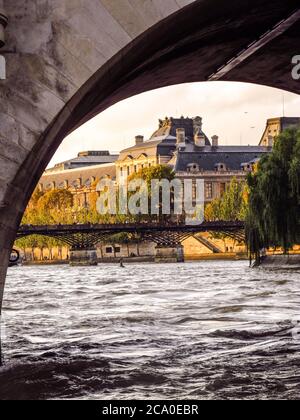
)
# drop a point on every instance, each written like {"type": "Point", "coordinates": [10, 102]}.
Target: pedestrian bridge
{"type": "Point", "coordinates": [68, 60]}
{"type": "Point", "coordinates": [88, 236]}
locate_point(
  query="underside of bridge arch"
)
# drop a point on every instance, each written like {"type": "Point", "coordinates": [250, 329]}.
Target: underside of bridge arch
{"type": "Point", "coordinates": [68, 61]}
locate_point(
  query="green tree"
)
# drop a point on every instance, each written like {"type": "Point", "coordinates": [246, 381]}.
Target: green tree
{"type": "Point", "coordinates": [274, 206]}
{"type": "Point", "coordinates": [231, 206]}
{"type": "Point", "coordinates": [154, 172]}
{"type": "Point", "coordinates": [158, 172]}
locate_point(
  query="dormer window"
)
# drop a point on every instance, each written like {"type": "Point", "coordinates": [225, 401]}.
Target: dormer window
{"type": "Point", "coordinates": [246, 167]}
{"type": "Point", "coordinates": [221, 167]}
{"type": "Point", "coordinates": [193, 167]}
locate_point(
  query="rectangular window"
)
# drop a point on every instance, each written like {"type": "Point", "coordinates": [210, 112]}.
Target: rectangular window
{"type": "Point", "coordinates": [109, 250]}
{"type": "Point", "coordinates": [194, 191]}
{"type": "Point", "coordinates": [222, 188]}
{"type": "Point", "coordinates": [208, 190]}
{"type": "Point", "coordinates": [117, 250]}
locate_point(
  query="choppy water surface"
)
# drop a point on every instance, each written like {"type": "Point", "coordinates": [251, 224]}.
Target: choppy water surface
{"type": "Point", "coordinates": [208, 330]}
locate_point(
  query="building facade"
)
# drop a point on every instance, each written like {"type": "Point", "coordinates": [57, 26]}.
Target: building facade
{"type": "Point", "coordinates": [85, 159]}
{"type": "Point", "coordinates": [81, 182]}
{"type": "Point", "coordinates": [183, 145]}
{"type": "Point", "coordinates": [180, 143]}
{"type": "Point", "coordinates": [274, 127]}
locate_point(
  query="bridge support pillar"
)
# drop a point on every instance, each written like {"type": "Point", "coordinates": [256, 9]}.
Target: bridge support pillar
{"type": "Point", "coordinates": [83, 257]}
{"type": "Point", "coordinates": [169, 253]}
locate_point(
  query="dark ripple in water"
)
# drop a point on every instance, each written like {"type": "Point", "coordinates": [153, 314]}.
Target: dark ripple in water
{"type": "Point", "coordinates": [194, 331]}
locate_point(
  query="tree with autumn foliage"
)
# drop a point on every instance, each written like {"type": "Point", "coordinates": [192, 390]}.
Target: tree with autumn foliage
{"type": "Point", "coordinates": [158, 172]}
{"type": "Point", "coordinates": [233, 205]}
{"type": "Point", "coordinates": [51, 207]}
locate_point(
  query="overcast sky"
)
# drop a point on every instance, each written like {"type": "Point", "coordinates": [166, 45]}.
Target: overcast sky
{"type": "Point", "coordinates": [236, 112]}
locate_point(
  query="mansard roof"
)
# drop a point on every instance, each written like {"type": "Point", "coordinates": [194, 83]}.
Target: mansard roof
{"type": "Point", "coordinates": [163, 141]}
{"type": "Point", "coordinates": [71, 176]}
{"type": "Point", "coordinates": [84, 159]}
{"type": "Point", "coordinates": [207, 159]}
{"type": "Point", "coordinates": [169, 126]}
{"type": "Point", "coordinates": [164, 145]}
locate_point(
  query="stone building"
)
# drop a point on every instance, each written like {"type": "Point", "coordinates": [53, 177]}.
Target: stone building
{"type": "Point", "coordinates": [161, 146]}
{"type": "Point", "coordinates": [275, 126]}
{"type": "Point", "coordinates": [85, 159]}
{"type": "Point", "coordinates": [80, 182]}
{"type": "Point", "coordinates": [182, 144]}
{"type": "Point", "coordinates": [178, 142]}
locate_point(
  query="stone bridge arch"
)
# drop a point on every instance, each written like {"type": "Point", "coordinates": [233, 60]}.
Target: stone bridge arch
{"type": "Point", "coordinates": [67, 60]}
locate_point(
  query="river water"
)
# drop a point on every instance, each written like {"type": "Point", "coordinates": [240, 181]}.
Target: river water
{"type": "Point", "coordinates": [207, 330]}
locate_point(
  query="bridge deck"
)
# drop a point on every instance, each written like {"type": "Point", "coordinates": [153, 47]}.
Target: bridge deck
{"type": "Point", "coordinates": [129, 228]}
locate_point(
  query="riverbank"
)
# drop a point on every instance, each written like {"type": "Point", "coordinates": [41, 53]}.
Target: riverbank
{"type": "Point", "coordinates": [219, 257]}
{"type": "Point", "coordinates": [149, 259]}
{"type": "Point", "coordinates": [135, 260]}
{"type": "Point", "coordinates": [291, 261]}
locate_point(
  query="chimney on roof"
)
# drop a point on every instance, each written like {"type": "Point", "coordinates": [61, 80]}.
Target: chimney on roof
{"type": "Point", "coordinates": [180, 136]}
{"type": "Point", "coordinates": [215, 141]}
{"type": "Point", "coordinates": [199, 140]}
{"type": "Point", "coordinates": [139, 140]}
{"type": "Point", "coordinates": [198, 124]}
